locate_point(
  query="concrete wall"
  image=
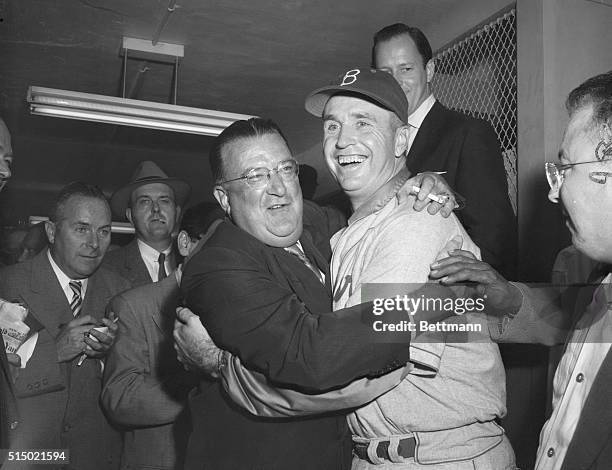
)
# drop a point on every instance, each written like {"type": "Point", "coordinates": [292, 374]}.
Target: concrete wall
{"type": "Point", "coordinates": [560, 44]}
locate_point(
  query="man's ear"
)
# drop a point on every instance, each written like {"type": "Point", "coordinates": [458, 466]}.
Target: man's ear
{"type": "Point", "coordinates": [179, 211]}
{"type": "Point", "coordinates": [430, 68]}
{"type": "Point", "coordinates": [128, 214]}
{"type": "Point", "coordinates": [223, 199]}
{"type": "Point", "coordinates": [183, 242]}
{"type": "Point", "coordinates": [402, 136]}
{"type": "Point", "coordinates": [50, 231]}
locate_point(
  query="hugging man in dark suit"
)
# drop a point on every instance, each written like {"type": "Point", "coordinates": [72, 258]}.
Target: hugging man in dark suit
{"type": "Point", "coordinates": [260, 286]}
{"type": "Point", "coordinates": [66, 293]}
{"type": "Point", "coordinates": [445, 140]}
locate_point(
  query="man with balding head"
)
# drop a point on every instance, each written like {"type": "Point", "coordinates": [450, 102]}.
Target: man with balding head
{"type": "Point", "coordinates": [152, 202]}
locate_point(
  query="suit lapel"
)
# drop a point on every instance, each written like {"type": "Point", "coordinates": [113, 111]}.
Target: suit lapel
{"type": "Point", "coordinates": [136, 270]}
{"type": "Point", "coordinates": [45, 299]}
{"type": "Point", "coordinates": [595, 425]}
{"type": "Point", "coordinates": [301, 279]}
{"type": "Point", "coordinates": [315, 255]}
{"type": "Point", "coordinates": [163, 315]}
{"type": "Point", "coordinates": [429, 127]}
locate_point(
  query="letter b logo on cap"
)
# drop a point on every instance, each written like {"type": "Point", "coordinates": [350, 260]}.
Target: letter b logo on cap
{"type": "Point", "coordinates": [350, 77]}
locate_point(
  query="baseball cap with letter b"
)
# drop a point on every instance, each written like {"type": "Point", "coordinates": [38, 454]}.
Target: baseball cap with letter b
{"type": "Point", "coordinates": [376, 86]}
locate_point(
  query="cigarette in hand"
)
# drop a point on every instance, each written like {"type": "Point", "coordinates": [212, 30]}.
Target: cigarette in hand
{"type": "Point", "coordinates": [102, 329]}
{"type": "Point", "coordinates": [439, 198]}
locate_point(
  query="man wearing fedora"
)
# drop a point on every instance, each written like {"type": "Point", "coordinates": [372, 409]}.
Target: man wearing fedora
{"type": "Point", "coordinates": [152, 202]}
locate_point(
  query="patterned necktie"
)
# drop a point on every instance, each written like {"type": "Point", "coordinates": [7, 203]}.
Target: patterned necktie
{"type": "Point", "coordinates": [77, 299]}
{"type": "Point", "coordinates": [298, 253]}
{"type": "Point", "coordinates": [161, 273]}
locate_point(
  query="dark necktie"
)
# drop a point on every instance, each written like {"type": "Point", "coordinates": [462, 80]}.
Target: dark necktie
{"type": "Point", "coordinates": [161, 273]}
{"type": "Point", "coordinates": [298, 253]}
{"type": "Point", "coordinates": [77, 298]}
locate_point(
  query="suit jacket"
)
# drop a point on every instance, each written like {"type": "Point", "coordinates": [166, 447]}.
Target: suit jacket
{"type": "Point", "coordinates": [591, 446]}
{"type": "Point", "coordinates": [58, 402]}
{"type": "Point", "coordinates": [468, 150]}
{"type": "Point", "coordinates": [8, 402]}
{"type": "Point", "coordinates": [265, 306]}
{"type": "Point", "coordinates": [145, 388]}
{"type": "Point", "coordinates": [128, 262]}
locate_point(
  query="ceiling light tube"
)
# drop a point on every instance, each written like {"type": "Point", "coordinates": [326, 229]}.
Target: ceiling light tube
{"type": "Point", "coordinates": [128, 112]}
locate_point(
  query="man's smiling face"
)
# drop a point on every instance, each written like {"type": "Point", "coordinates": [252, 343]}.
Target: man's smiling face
{"type": "Point", "coordinates": [271, 213]}
{"type": "Point", "coordinates": [362, 145]}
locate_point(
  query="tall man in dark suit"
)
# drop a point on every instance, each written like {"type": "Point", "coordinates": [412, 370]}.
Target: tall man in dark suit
{"type": "Point", "coordinates": [444, 140]}
{"type": "Point", "coordinates": [145, 387]}
{"type": "Point", "coordinates": [66, 294]}
{"type": "Point", "coordinates": [261, 287]}
{"type": "Point", "coordinates": [152, 202]}
{"type": "Point", "coordinates": [578, 434]}
{"type": "Point", "coordinates": [8, 404]}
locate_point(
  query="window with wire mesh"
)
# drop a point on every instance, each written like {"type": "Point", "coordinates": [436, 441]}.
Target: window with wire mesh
{"type": "Point", "coordinates": [476, 74]}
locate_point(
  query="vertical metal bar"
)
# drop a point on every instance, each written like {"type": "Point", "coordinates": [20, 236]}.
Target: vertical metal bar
{"type": "Point", "coordinates": [176, 64]}
{"type": "Point", "coordinates": [125, 58]}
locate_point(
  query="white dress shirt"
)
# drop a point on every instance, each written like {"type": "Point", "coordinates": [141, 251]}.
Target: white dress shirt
{"type": "Point", "coordinates": [64, 280]}
{"type": "Point", "coordinates": [588, 346]}
{"type": "Point", "coordinates": [150, 257]}
{"type": "Point", "coordinates": [415, 120]}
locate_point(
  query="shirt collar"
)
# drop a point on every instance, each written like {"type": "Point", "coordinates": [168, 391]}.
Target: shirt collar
{"type": "Point", "coordinates": [419, 114]}
{"type": "Point", "coordinates": [382, 196]}
{"type": "Point", "coordinates": [151, 253]}
{"type": "Point", "coordinates": [62, 278]}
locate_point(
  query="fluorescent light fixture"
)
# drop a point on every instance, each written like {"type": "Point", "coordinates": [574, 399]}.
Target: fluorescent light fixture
{"type": "Point", "coordinates": [127, 112]}
{"type": "Point", "coordinates": [116, 227]}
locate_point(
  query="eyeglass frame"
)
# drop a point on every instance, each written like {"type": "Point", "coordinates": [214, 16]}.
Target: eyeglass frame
{"type": "Point", "coordinates": [559, 172]}
{"type": "Point", "coordinates": [269, 171]}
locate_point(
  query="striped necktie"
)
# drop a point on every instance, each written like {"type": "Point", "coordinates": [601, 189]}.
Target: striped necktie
{"type": "Point", "coordinates": [296, 251]}
{"type": "Point", "coordinates": [161, 273]}
{"type": "Point", "coordinates": [77, 298]}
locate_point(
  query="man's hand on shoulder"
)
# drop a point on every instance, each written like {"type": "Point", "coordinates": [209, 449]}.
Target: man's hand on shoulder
{"type": "Point", "coordinates": [194, 347]}
{"type": "Point", "coordinates": [462, 266]}
{"type": "Point", "coordinates": [432, 191]}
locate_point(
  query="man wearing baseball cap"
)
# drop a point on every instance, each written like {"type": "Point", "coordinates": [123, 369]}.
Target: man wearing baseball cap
{"type": "Point", "coordinates": [443, 414]}
{"type": "Point", "coordinates": [152, 202]}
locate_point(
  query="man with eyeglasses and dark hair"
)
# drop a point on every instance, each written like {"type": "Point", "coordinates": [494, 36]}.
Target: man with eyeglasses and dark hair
{"type": "Point", "coordinates": [579, 432]}
{"type": "Point", "coordinates": [261, 287]}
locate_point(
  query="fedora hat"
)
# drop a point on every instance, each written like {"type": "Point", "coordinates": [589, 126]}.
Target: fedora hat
{"type": "Point", "coordinates": [148, 172]}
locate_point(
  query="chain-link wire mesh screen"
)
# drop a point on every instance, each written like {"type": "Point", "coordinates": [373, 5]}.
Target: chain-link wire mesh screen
{"type": "Point", "coordinates": [476, 74]}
